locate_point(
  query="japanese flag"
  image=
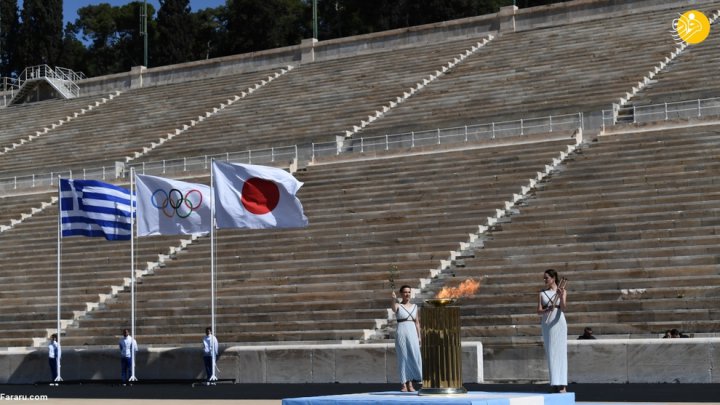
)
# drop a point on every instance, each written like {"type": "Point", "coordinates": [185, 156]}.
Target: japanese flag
{"type": "Point", "coordinates": [256, 197]}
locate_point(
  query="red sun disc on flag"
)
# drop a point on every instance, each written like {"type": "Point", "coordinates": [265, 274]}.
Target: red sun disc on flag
{"type": "Point", "coordinates": [260, 196]}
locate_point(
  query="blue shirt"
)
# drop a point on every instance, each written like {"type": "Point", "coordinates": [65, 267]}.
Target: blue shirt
{"type": "Point", "coordinates": [54, 350]}
{"type": "Point", "coordinates": [207, 343]}
{"type": "Point", "coordinates": [128, 346]}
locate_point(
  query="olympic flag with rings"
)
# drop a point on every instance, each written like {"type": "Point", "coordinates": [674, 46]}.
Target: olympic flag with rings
{"type": "Point", "coordinates": [171, 207]}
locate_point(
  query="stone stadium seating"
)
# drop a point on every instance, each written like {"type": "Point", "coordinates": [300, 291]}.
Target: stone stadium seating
{"type": "Point", "coordinates": [685, 78]}
{"type": "Point", "coordinates": [629, 218]}
{"type": "Point", "coordinates": [632, 222]}
{"type": "Point", "coordinates": [316, 102]}
{"type": "Point", "coordinates": [329, 281]}
{"type": "Point", "coordinates": [22, 120]}
{"type": "Point", "coordinates": [581, 67]}
{"type": "Point", "coordinates": [29, 262]}
{"type": "Point", "coordinates": [124, 125]}
{"type": "Point", "coordinates": [18, 208]}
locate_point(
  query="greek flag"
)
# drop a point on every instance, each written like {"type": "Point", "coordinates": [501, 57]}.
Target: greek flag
{"type": "Point", "coordinates": [93, 208]}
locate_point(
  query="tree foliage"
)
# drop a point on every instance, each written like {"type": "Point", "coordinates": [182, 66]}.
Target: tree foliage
{"type": "Point", "coordinates": [254, 25]}
{"type": "Point", "coordinates": [107, 39]}
{"type": "Point", "coordinates": [113, 37]}
{"type": "Point", "coordinates": [41, 32]}
{"type": "Point", "coordinates": [210, 31]}
{"type": "Point", "coordinates": [9, 26]}
{"type": "Point", "coordinates": [352, 17]}
{"type": "Point", "coordinates": [175, 33]}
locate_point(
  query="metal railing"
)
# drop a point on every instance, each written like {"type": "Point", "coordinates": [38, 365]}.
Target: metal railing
{"type": "Point", "coordinates": [201, 164]}
{"type": "Point", "coordinates": [699, 108]}
{"type": "Point", "coordinates": [59, 76]}
{"type": "Point", "coordinates": [286, 154]}
{"type": "Point", "coordinates": [197, 164]}
{"type": "Point", "coordinates": [8, 87]}
{"type": "Point", "coordinates": [468, 133]}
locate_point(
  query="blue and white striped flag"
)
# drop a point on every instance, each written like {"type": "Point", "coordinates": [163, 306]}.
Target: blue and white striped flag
{"type": "Point", "coordinates": [93, 208]}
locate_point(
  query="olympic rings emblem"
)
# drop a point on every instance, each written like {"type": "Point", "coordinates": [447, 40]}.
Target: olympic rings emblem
{"type": "Point", "coordinates": [175, 203]}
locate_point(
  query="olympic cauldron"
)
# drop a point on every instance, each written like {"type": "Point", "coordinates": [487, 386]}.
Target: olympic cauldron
{"type": "Point", "coordinates": [441, 349]}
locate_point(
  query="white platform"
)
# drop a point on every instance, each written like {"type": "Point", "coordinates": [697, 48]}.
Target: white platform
{"type": "Point", "coordinates": [471, 398]}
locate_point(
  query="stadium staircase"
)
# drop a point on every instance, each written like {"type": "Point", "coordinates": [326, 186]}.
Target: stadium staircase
{"type": "Point", "coordinates": [295, 285]}
{"type": "Point", "coordinates": [577, 67]}
{"type": "Point", "coordinates": [631, 220]}
{"type": "Point", "coordinates": [681, 77]}
{"type": "Point", "coordinates": [129, 125]}
{"type": "Point", "coordinates": [33, 79]}
{"type": "Point", "coordinates": [93, 271]}
{"type": "Point", "coordinates": [21, 119]}
{"type": "Point", "coordinates": [215, 110]}
{"type": "Point", "coordinates": [418, 87]}
{"type": "Point", "coordinates": [320, 101]}
{"type": "Point", "coordinates": [628, 218]}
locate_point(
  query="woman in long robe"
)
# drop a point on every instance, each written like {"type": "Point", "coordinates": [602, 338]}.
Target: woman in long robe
{"type": "Point", "coordinates": [552, 303]}
{"type": "Point", "coordinates": [407, 340]}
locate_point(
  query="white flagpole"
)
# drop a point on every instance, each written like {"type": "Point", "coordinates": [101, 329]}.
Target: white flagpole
{"type": "Point", "coordinates": [132, 272]}
{"type": "Point", "coordinates": [59, 256]}
{"type": "Point", "coordinates": [213, 377]}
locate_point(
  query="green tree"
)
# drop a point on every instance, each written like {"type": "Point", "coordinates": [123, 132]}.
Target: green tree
{"type": "Point", "coordinates": [255, 25]}
{"type": "Point", "coordinates": [339, 18]}
{"type": "Point", "coordinates": [9, 25]}
{"type": "Point", "coordinates": [114, 36]}
{"type": "Point", "coordinates": [533, 3]}
{"type": "Point", "coordinates": [210, 29]}
{"type": "Point", "coordinates": [175, 33]}
{"type": "Point", "coordinates": [73, 53]}
{"type": "Point", "coordinates": [129, 43]}
{"type": "Point", "coordinates": [97, 25]}
{"type": "Point", "coordinates": [179, 35]}
{"type": "Point", "coordinates": [430, 11]}
{"type": "Point", "coordinates": [41, 32]}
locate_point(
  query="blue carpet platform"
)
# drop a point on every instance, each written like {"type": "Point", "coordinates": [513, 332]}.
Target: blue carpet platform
{"type": "Point", "coordinates": [471, 398]}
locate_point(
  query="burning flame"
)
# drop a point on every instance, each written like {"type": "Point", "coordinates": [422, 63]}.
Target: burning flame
{"type": "Point", "coordinates": [465, 289]}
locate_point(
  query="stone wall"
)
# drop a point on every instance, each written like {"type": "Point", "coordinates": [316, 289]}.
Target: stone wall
{"type": "Point", "coordinates": [342, 363]}
{"type": "Point", "coordinates": [693, 360]}
{"type": "Point", "coordinates": [507, 20]}
{"type": "Point", "coordinates": [586, 10]}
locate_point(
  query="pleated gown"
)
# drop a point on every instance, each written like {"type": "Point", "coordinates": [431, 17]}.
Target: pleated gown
{"type": "Point", "coordinates": [407, 345]}
{"type": "Point", "coordinates": [554, 331]}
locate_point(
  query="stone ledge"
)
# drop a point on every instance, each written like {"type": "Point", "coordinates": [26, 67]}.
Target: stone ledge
{"type": "Point", "coordinates": [321, 363]}
{"type": "Point", "coordinates": [611, 361]}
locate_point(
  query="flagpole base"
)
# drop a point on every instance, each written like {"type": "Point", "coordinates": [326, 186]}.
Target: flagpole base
{"type": "Point", "coordinates": [132, 378]}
